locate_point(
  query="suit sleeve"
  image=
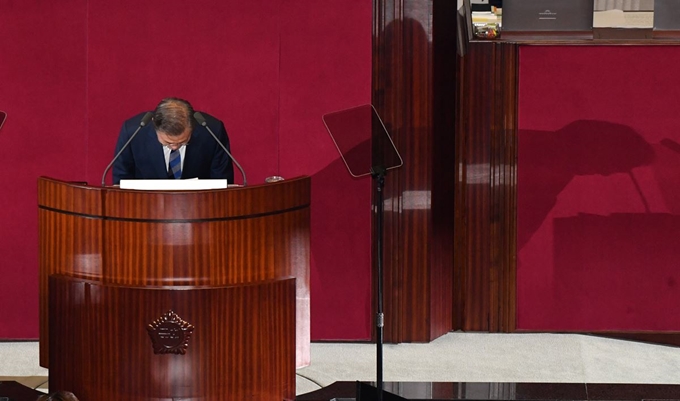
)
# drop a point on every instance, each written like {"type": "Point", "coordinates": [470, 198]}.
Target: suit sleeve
{"type": "Point", "coordinates": [124, 166]}
{"type": "Point", "coordinates": [222, 166]}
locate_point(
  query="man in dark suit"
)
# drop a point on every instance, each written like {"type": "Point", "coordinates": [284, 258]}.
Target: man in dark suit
{"type": "Point", "coordinates": [174, 146]}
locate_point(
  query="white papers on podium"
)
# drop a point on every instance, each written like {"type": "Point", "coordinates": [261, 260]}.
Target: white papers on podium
{"type": "Point", "coordinates": [173, 185]}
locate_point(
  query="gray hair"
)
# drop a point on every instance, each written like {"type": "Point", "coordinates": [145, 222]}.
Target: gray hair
{"type": "Point", "coordinates": [173, 116]}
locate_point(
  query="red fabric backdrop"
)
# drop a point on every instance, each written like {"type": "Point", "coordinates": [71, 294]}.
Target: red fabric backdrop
{"type": "Point", "coordinates": [598, 188]}
{"type": "Point", "coordinates": [72, 71]}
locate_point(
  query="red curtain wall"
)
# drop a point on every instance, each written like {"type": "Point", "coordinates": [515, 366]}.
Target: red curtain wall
{"type": "Point", "coordinates": [72, 71]}
{"type": "Point", "coordinates": [598, 188]}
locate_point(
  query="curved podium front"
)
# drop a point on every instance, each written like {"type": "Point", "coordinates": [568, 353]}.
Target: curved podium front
{"type": "Point", "coordinates": [115, 262]}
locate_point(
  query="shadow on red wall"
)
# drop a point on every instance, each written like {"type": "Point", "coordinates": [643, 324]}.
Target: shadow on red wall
{"type": "Point", "coordinates": [548, 161]}
{"type": "Point", "coordinates": [598, 229]}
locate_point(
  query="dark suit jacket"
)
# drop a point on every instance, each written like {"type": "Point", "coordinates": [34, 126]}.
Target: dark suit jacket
{"type": "Point", "coordinates": [143, 158]}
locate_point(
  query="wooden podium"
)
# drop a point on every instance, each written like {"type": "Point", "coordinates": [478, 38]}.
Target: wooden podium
{"type": "Point", "coordinates": [174, 295]}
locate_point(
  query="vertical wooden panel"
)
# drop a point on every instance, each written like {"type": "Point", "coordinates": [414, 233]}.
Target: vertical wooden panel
{"type": "Point", "coordinates": [419, 115]}
{"type": "Point", "coordinates": [507, 319]}
{"type": "Point", "coordinates": [444, 163]}
{"type": "Point", "coordinates": [503, 168]}
{"type": "Point", "coordinates": [450, 222]}
{"type": "Point", "coordinates": [477, 131]}
{"type": "Point", "coordinates": [486, 213]}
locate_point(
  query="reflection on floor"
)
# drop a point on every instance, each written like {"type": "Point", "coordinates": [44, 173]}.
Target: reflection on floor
{"type": "Point", "coordinates": [490, 365]}
{"type": "Point", "coordinates": [499, 391]}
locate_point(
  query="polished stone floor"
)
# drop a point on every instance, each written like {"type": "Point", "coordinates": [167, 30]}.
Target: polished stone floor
{"type": "Point", "coordinates": [463, 365]}
{"type": "Point", "coordinates": [499, 391]}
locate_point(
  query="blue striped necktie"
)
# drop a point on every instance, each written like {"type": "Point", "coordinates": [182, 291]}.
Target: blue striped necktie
{"type": "Point", "coordinates": [175, 164]}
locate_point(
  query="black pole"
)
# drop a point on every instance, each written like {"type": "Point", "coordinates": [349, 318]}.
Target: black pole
{"type": "Point", "coordinates": [378, 173]}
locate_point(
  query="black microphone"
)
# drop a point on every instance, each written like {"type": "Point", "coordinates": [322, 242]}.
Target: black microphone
{"type": "Point", "coordinates": [201, 121]}
{"type": "Point", "coordinates": [145, 120]}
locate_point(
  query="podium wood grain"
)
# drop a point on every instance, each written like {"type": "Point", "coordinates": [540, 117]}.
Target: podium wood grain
{"type": "Point", "coordinates": [173, 238]}
{"type": "Point", "coordinates": [242, 346]}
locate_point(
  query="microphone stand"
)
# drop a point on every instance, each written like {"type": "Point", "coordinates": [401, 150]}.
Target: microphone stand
{"type": "Point", "coordinates": [378, 173]}
{"type": "Point", "coordinates": [382, 149]}
{"type": "Point", "coordinates": [145, 120]}
{"type": "Point", "coordinates": [202, 122]}
{"type": "Point", "coordinates": [366, 392]}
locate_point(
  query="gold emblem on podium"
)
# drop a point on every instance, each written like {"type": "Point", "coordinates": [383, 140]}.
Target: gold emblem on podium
{"type": "Point", "coordinates": [170, 334]}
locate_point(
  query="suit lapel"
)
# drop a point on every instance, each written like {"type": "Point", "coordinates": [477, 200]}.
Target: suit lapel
{"type": "Point", "coordinates": [192, 156]}
{"type": "Point", "coordinates": [156, 150]}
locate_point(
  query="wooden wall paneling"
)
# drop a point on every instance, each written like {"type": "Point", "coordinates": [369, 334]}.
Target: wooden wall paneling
{"type": "Point", "coordinates": [477, 128]}
{"type": "Point", "coordinates": [416, 140]}
{"type": "Point", "coordinates": [444, 164]}
{"type": "Point", "coordinates": [460, 254]}
{"type": "Point", "coordinates": [486, 213]}
{"type": "Point", "coordinates": [417, 268]}
{"type": "Point", "coordinates": [503, 188]}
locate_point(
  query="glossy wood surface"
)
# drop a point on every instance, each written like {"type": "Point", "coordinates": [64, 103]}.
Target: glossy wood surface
{"type": "Point", "coordinates": [413, 93]}
{"type": "Point", "coordinates": [486, 223]}
{"type": "Point", "coordinates": [242, 346]}
{"type": "Point", "coordinates": [199, 238]}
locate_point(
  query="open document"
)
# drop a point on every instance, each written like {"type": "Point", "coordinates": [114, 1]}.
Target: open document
{"type": "Point", "coordinates": [173, 185]}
